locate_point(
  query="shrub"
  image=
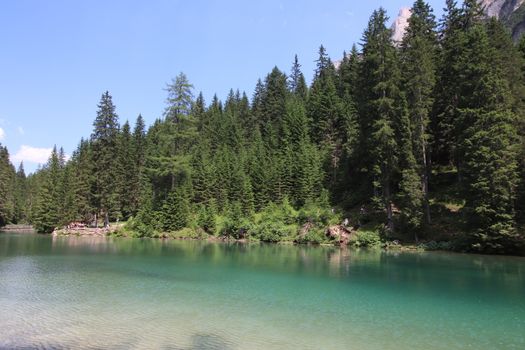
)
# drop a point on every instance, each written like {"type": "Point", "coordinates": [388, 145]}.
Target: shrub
{"type": "Point", "coordinates": [319, 215]}
{"type": "Point", "coordinates": [273, 231]}
{"type": "Point", "coordinates": [188, 233]}
{"type": "Point", "coordinates": [136, 228]}
{"type": "Point", "coordinates": [206, 219]}
{"type": "Point", "coordinates": [314, 236]}
{"type": "Point", "coordinates": [367, 239]}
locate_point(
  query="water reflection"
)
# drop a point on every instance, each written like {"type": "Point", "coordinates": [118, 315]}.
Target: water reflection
{"type": "Point", "coordinates": [96, 292]}
{"type": "Point", "coordinates": [423, 271]}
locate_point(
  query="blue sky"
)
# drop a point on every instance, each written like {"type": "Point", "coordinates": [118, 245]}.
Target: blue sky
{"type": "Point", "coordinates": [58, 57]}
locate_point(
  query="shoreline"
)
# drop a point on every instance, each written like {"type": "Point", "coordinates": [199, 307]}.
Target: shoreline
{"type": "Point", "coordinates": [114, 232]}
{"type": "Point", "coordinates": [118, 231]}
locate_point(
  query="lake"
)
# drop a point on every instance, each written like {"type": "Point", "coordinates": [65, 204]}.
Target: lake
{"type": "Point", "coordinates": [112, 293]}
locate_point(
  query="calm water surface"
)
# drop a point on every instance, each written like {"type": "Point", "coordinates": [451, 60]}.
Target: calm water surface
{"type": "Point", "coordinates": [91, 293]}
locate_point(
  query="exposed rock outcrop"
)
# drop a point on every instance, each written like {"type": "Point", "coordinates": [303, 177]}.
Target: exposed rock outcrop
{"type": "Point", "coordinates": [340, 234]}
{"type": "Point", "coordinates": [400, 24]}
{"type": "Point", "coordinates": [510, 12]}
{"type": "Point", "coordinates": [501, 8]}
{"type": "Point", "coordinates": [85, 231]}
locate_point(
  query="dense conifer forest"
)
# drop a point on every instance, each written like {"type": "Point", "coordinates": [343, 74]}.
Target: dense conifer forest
{"type": "Point", "coordinates": [417, 141]}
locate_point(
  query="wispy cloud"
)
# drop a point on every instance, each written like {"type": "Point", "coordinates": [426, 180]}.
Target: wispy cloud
{"type": "Point", "coordinates": [29, 154]}
{"type": "Point", "coordinates": [21, 131]}
{"type": "Point", "coordinates": [2, 134]}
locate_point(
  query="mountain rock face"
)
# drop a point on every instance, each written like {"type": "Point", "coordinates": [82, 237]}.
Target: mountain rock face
{"type": "Point", "coordinates": [400, 25]}
{"type": "Point", "coordinates": [501, 8]}
{"type": "Point", "coordinates": [510, 12]}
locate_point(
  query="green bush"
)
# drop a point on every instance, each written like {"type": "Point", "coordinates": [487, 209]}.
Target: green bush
{"type": "Point", "coordinates": [273, 231]}
{"type": "Point", "coordinates": [433, 245]}
{"type": "Point", "coordinates": [314, 236]}
{"type": "Point", "coordinates": [367, 239]}
{"type": "Point", "coordinates": [235, 225]}
{"type": "Point", "coordinates": [283, 213]}
{"type": "Point", "coordinates": [206, 219]}
{"type": "Point", "coordinates": [316, 214]}
{"type": "Point", "coordinates": [188, 233]}
{"type": "Point", "coordinates": [136, 228]}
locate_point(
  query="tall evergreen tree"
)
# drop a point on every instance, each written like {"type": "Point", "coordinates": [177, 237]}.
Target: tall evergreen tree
{"type": "Point", "coordinates": [48, 207]}
{"type": "Point", "coordinates": [7, 176]}
{"type": "Point", "coordinates": [297, 83]}
{"type": "Point", "coordinates": [106, 166]}
{"type": "Point", "coordinates": [419, 50]}
{"type": "Point", "coordinates": [383, 116]}
{"type": "Point", "coordinates": [486, 145]}
{"type": "Point", "coordinates": [180, 98]}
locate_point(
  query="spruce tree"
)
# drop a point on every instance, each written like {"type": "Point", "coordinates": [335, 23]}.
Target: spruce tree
{"type": "Point", "coordinates": [487, 146]}
{"type": "Point", "coordinates": [297, 83]}
{"type": "Point", "coordinates": [419, 55]}
{"type": "Point", "coordinates": [104, 140]}
{"type": "Point", "coordinates": [139, 159]}
{"type": "Point", "coordinates": [383, 117]}
{"type": "Point", "coordinates": [7, 178]}
{"type": "Point", "coordinates": [48, 207]}
{"type": "Point", "coordinates": [128, 168]}
{"type": "Point", "coordinates": [82, 174]}
{"type": "Point", "coordinates": [20, 195]}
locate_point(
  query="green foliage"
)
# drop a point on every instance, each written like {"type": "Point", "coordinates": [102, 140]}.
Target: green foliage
{"type": "Point", "coordinates": [206, 218]}
{"type": "Point", "coordinates": [367, 238]}
{"type": "Point", "coordinates": [47, 211]}
{"type": "Point", "coordinates": [108, 169]}
{"type": "Point", "coordinates": [273, 231]}
{"type": "Point", "coordinates": [7, 182]}
{"type": "Point", "coordinates": [175, 211]}
{"type": "Point", "coordinates": [373, 137]}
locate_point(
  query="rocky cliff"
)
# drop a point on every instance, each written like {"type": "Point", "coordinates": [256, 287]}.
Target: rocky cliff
{"type": "Point", "coordinates": [510, 12]}
{"type": "Point", "coordinates": [501, 8]}
{"type": "Point", "coordinates": [400, 25]}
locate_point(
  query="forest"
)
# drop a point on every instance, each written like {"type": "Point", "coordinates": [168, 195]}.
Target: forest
{"type": "Point", "coordinates": [417, 141]}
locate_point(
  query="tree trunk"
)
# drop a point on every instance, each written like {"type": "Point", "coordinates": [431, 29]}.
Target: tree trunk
{"type": "Point", "coordinates": [388, 205]}
{"type": "Point", "coordinates": [426, 170]}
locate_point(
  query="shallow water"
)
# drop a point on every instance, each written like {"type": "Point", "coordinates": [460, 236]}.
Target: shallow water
{"type": "Point", "coordinates": [152, 294]}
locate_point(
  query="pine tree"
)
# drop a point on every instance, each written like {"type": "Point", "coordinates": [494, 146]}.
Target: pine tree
{"type": "Point", "coordinates": [48, 207]}
{"type": "Point", "coordinates": [179, 131]}
{"type": "Point", "coordinates": [180, 98]}
{"type": "Point", "coordinates": [447, 94]}
{"type": "Point", "coordinates": [105, 159]}
{"type": "Point", "coordinates": [7, 178]}
{"type": "Point", "coordinates": [382, 118]}
{"type": "Point", "coordinates": [139, 159]}
{"type": "Point", "coordinates": [176, 210]}
{"type": "Point", "coordinates": [273, 107]}
{"type": "Point", "coordinates": [82, 174]}
{"type": "Point", "coordinates": [348, 72]}
{"type": "Point", "coordinates": [20, 195]}
{"type": "Point", "coordinates": [297, 83]}
{"type": "Point", "coordinates": [487, 146]}
{"type": "Point", "coordinates": [128, 168]}
{"type": "Point", "coordinates": [419, 50]}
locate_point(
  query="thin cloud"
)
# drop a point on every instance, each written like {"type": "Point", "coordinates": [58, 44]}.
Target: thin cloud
{"type": "Point", "coordinates": [29, 154]}
{"type": "Point", "coordinates": [21, 131]}
{"type": "Point", "coordinates": [2, 134]}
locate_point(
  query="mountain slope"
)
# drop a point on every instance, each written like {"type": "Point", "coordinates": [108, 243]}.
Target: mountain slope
{"type": "Point", "coordinates": [510, 12]}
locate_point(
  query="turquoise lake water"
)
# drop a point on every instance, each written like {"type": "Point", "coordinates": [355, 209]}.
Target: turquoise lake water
{"type": "Point", "coordinates": [92, 293]}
